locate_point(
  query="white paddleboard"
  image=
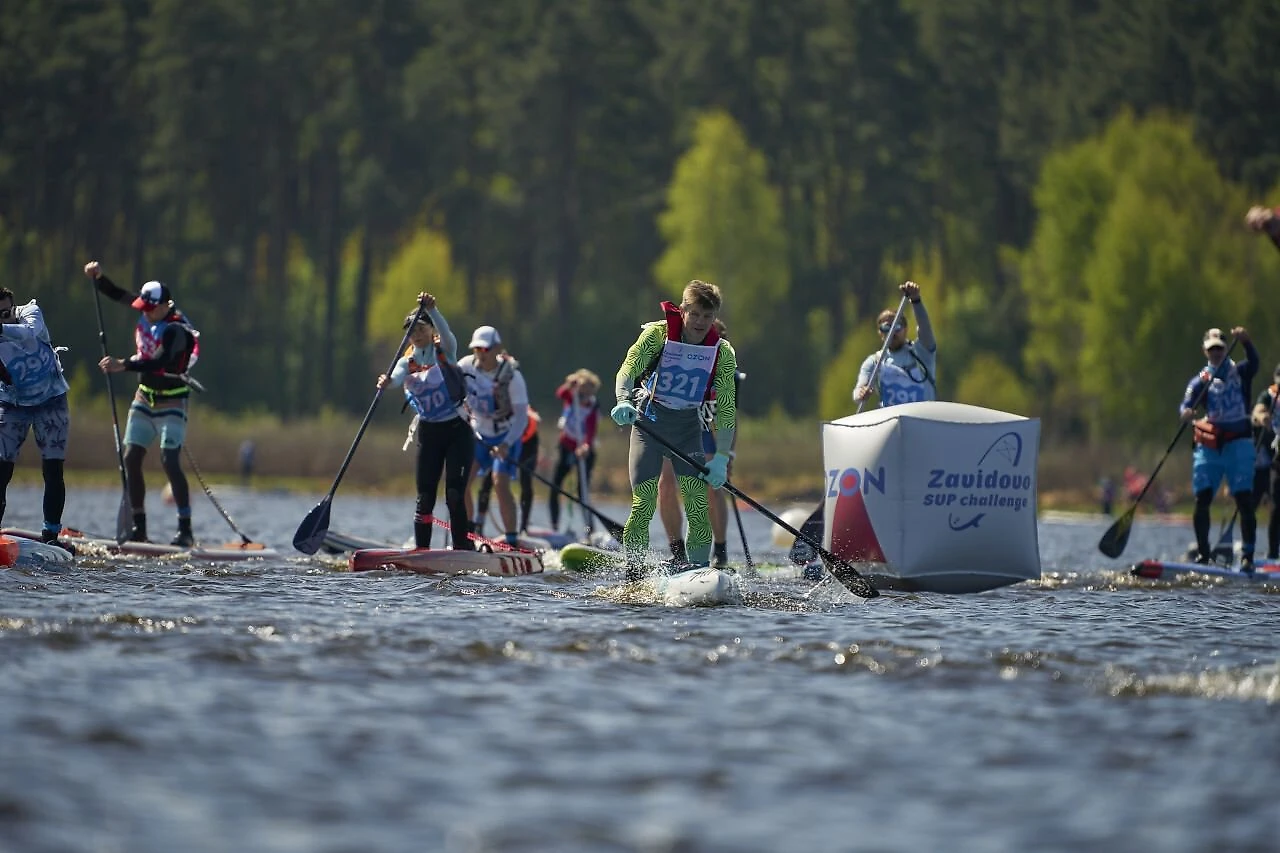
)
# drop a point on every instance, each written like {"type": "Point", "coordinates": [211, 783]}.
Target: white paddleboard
{"type": "Point", "coordinates": [699, 588]}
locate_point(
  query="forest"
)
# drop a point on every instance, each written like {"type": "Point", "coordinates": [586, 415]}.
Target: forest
{"type": "Point", "coordinates": [1066, 179]}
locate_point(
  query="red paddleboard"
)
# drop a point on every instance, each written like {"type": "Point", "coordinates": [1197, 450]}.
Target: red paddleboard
{"type": "Point", "coordinates": [442, 562]}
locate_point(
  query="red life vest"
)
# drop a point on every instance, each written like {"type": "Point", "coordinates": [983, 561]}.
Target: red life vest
{"type": "Point", "coordinates": [675, 332]}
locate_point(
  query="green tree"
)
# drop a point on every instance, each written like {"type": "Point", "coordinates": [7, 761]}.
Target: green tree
{"type": "Point", "coordinates": [723, 224]}
{"type": "Point", "coordinates": [1138, 249]}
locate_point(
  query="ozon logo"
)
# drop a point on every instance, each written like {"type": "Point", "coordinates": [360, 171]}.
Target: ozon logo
{"type": "Point", "coordinates": [697, 356]}
{"type": "Point", "coordinates": [850, 481]}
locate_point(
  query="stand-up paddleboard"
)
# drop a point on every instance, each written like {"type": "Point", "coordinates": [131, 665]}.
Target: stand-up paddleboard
{"type": "Point", "coordinates": [25, 553]}
{"type": "Point", "coordinates": [577, 557]}
{"type": "Point", "coordinates": [219, 552]}
{"type": "Point", "coordinates": [1264, 572]}
{"type": "Point", "coordinates": [445, 562]}
{"type": "Point", "coordinates": [699, 588]}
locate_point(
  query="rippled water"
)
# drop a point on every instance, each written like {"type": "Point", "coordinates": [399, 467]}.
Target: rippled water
{"type": "Point", "coordinates": [288, 706]}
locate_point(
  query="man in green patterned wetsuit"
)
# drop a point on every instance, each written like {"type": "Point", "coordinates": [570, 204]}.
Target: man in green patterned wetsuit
{"type": "Point", "coordinates": [671, 368]}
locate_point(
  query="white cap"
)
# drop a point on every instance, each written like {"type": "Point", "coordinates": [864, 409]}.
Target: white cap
{"type": "Point", "coordinates": [1213, 338]}
{"type": "Point", "coordinates": [486, 337]}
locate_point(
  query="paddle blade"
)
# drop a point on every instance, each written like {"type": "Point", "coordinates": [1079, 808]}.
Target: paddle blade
{"type": "Point", "coordinates": [124, 520]}
{"type": "Point", "coordinates": [311, 531]}
{"type": "Point", "coordinates": [801, 551]}
{"type": "Point", "coordinates": [1117, 536]}
{"type": "Point", "coordinates": [849, 577]}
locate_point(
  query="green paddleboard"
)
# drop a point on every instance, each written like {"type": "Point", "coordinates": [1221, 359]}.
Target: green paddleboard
{"type": "Point", "coordinates": [576, 557]}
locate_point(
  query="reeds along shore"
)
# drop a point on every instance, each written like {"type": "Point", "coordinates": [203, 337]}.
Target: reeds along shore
{"type": "Point", "coordinates": [779, 460]}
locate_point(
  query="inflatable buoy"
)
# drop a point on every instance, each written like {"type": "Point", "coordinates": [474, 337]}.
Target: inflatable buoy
{"type": "Point", "coordinates": [795, 516]}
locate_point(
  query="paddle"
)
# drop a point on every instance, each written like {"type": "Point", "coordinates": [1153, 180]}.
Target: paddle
{"type": "Point", "coordinates": [614, 528]}
{"type": "Point", "coordinates": [812, 526]}
{"type": "Point", "coordinates": [843, 571]}
{"type": "Point", "coordinates": [310, 534]}
{"type": "Point", "coordinates": [1113, 542]}
{"type": "Point", "coordinates": [124, 516]}
{"type": "Point", "coordinates": [742, 532]}
{"type": "Point", "coordinates": [244, 540]}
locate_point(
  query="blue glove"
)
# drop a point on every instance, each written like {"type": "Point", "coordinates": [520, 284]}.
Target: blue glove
{"type": "Point", "coordinates": [624, 414]}
{"type": "Point", "coordinates": [717, 471]}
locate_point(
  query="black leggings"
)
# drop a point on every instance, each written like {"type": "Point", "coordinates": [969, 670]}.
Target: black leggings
{"type": "Point", "coordinates": [528, 461]}
{"type": "Point", "coordinates": [1248, 521]}
{"type": "Point", "coordinates": [55, 489]}
{"type": "Point", "coordinates": [567, 462]}
{"type": "Point", "coordinates": [1273, 523]}
{"type": "Point", "coordinates": [170, 461]}
{"type": "Point", "coordinates": [443, 448]}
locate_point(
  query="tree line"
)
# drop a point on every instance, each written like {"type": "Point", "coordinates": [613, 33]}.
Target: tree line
{"type": "Point", "coordinates": [1066, 180]}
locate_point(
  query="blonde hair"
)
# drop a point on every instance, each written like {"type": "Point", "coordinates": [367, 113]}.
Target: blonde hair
{"type": "Point", "coordinates": [702, 293]}
{"type": "Point", "coordinates": [584, 377]}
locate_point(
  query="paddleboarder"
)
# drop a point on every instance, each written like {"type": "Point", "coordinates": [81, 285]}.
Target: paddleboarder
{"type": "Point", "coordinates": [907, 374]}
{"type": "Point", "coordinates": [910, 367]}
{"type": "Point", "coordinates": [33, 398]}
{"type": "Point", "coordinates": [717, 505]}
{"type": "Point", "coordinates": [528, 464]}
{"type": "Point", "coordinates": [499, 401]}
{"type": "Point", "coordinates": [673, 366]}
{"type": "Point", "coordinates": [167, 347]}
{"type": "Point", "coordinates": [435, 387]}
{"type": "Point", "coordinates": [576, 447]}
{"type": "Point", "coordinates": [1223, 438]}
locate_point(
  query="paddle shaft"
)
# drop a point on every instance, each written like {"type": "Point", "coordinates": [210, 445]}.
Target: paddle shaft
{"type": "Point", "coordinates": [310, 533]}
{"type": "Point", "coordinates": [123, 515]}
{"type": "Point", "coordinates": [875, 371]}
{"type": "Point", "coordinates": [373, 405]}
{"type": "Point", "coordinates": [614, 528]}
{"type": "Point", "coordinates": [867, 590]}
{"type": "Point", "coordinates": [742, 532]}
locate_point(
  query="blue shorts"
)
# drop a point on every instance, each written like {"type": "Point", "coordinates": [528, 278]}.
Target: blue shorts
{"type": "Point", "coordinates": [166, 418]}
{"type": "Point", "coordinates": [50, 421]}
{"type": "Point", "coordinates": [486, 462]}
{"type": "Point", "coordinates": [1233, 461]}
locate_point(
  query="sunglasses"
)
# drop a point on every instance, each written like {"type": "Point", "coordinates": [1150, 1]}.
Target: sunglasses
{"type": "Point", "coordinates": [886, 328]}
{"type": "Point", "coordinates": [1212, 348]}
{"type": "Point", "coordinates": [479, 349]}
